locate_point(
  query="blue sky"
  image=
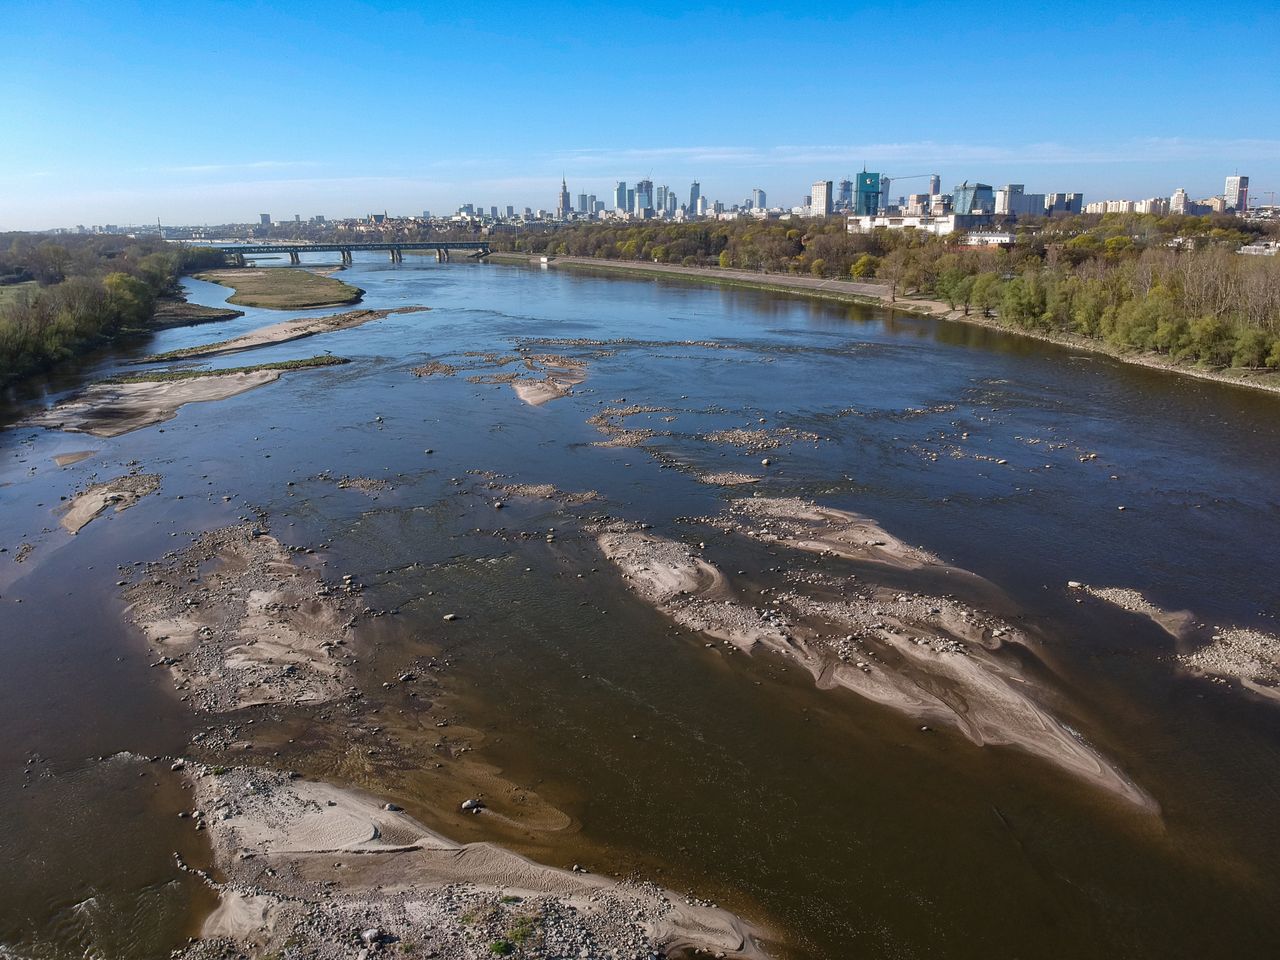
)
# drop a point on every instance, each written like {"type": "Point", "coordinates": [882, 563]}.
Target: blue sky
{"type": "Point", "coordinates": [208, 112]}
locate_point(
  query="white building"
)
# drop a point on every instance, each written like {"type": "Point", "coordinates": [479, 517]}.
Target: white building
{"type": "Point", "coordinates": [927, 223]}
{"type": "Point", "coordinates": [1012, 200]}
{"type": "Point", "coordinates": [820, 203]}
{"type": "Point", "coordinates": [1236, 194]}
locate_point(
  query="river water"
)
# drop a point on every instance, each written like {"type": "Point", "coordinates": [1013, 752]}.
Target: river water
{"type": "Point", "coordinates": [826, 819]}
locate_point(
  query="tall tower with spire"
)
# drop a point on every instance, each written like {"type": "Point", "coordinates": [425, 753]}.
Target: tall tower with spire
{"type": "Point", "coordinates": [564, 206]}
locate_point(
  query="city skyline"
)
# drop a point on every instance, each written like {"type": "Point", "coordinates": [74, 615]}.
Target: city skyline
{"type": "Point", "coordinates": [315, 111]}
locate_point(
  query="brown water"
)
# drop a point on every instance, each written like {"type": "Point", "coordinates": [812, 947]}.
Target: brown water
{"type": "Point", "coordinates": [830, 820]}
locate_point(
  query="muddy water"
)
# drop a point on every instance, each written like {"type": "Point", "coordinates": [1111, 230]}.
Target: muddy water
{"type": "Point", "coordinates": [837, 824]}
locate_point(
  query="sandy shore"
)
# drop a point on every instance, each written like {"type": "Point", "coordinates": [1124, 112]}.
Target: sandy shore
{"type": "Point", "coordinates": [238, 620]}
{"type": "Point", "coordinates": [931, 657]}
{"type": "Point", "coordinates": [112, 409]}
{"type": "Point", "coordinates": [122, 493]}
{"type": "Point", "coordinates": [333, 873]}
{"type": "Point", "coordinates": [283, 332]}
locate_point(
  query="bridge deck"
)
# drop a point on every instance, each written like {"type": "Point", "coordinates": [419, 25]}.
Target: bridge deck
{"type": "Point", "coordinates": [353, 247]}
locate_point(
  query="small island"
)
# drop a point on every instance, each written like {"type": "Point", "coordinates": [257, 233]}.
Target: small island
{"type": "Point", "coordinates": [283, 289]}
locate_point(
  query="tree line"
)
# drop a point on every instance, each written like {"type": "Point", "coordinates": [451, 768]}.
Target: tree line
{"type": "Point", "coordinates": [61, 296]}
{"type": "Point", "coordinates": [1172, 285]}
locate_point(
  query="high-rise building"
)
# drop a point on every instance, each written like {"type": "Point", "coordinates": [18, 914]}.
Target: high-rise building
{"type": "Point", "coordinates": [582, 204]}
{"type": "Point", "coordinates": [867, 202]}
{"type": "Point", "coordinates": [620, 197]}
{"type": "Point", "coordinates": [700, 206]}
{"type": "Point", "coordinates": [969, 198]}
{"type": "Point", "coordinates": [511, 211]}
{"type": "Point", "coordinates": [758, 199]}
{"type": "Point", "coordinates": [1236, 194]}
{"type": "Point", "coordinates": [631, 200]}
{"type": "Point", "coordinates": [644, 198]}
{"type": "Point", "coordinates": [695, 194]}
{"type": "Point", "coordinates": [1179, 202]}
{"type": "Point", "coordinates": [844, 196]}
{"type": "Point", "coordinates": [591, 205]}
{"type": "Point", "coordinates": [1012, 200]}
{"type": "Point", "coordinates": [820, 204]}
{"type": "Point", "coordinates": [264, 219]}
{"type": "Point", "coordinates": [671, 203]}
{"type": "Point", "coordinates": [563, 203]}
{"type": "Point", "coordinates": [660, 201]}
{"type": "Point", "coordinates": [885, 185]}
{"type": "Point", "coordinates": [493, 212]}
{"type": "Point", "coordinates": [935, 185]}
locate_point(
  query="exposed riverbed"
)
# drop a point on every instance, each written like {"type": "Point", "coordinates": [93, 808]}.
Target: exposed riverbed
{"type": "Point", "coordinates": [756, 600]}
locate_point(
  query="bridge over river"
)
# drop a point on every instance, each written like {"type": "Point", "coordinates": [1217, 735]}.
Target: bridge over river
{"type": "Point", "coordinates": [394, 248]}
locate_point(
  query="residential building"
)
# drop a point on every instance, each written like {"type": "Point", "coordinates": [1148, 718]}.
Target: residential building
{"type": "Point", "coordinates": [1012, 200]}
{"type": "Point", "coordinates": [264, 219]}
{"type": "Point", "coordinates": [820, 204]}
{"type": "Point", "coordinates": [758, 199]}
{"type": "Point", "coordinates": [1063, 204]}
{"type": "Point", "coordinates": [1236, 194]}
{"type": "Point", "coordinates": [1180, 202]}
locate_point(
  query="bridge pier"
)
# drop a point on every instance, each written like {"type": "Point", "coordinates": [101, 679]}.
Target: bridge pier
{"type": "Point", "coordinates": [395, 255]}
{"type": "Point", "coordinates": [346, 256]}
{"type": "Point", "coordinates": [294, 259]}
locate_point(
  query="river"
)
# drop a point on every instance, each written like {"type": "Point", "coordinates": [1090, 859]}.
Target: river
{"type": "Point", "coordinates": [828, 819]}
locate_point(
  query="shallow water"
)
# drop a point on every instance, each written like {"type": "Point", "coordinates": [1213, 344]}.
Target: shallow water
{"type": "Point", "coordinates": [831, 821]}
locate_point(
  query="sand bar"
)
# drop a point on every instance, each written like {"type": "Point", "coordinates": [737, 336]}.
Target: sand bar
{"type": "Point", "coordinates": [283, 332]}
{"type": "Point", "coordinates": [122, 492]}
{"type": "Point", "coordinates": [334, 871]}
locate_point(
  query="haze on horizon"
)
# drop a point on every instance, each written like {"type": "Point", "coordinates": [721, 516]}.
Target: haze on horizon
{"type": "Point", "coordinates": [215, 112]}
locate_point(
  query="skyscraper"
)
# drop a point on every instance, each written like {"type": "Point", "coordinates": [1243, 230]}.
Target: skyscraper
{"type": "Point", "coordinates": [1179, 202]}
{"type": "Point", "coordinates": [935, 185]}
{"type": "Point", "coordinates": [631, 200]}
{"type": "Point", "coordinates": [758, 199]}
{"type": "Point", "coordinates": [564, 204]}
{"type": "Point", "coordinates": [1236, 195]}
{"type": "Point", "coordinates": [844, 198]}
{"type": "Point", "coordinates": [660, 203]}
{"type": "Point", "coordinates": [582, 204]}
{"type": "Point", "coordinates": [695, 192]}
{"type": "Point", "coordinates": [820, 203]}
{"type": "Point", "coordinates": [867, 203]}
{"type": "Point", "coordinates": [264, 219]}
{"type": "Point", "coordinates": [620, 197]}
{"type": "Point", "coordinates": [644, 198]}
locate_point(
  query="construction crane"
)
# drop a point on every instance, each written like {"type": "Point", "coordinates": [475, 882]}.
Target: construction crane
{"type": "Point", "coordinates": [914, 176]}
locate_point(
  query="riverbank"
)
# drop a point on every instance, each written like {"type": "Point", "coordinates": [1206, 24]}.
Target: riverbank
{"type": "Point", "coordinates": [879, 295]}
{"type": "Point", "coordinates": [279, 288]}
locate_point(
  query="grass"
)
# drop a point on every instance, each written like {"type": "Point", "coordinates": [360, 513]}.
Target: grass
{"type": "Point", "coordinates": [283, 288]}
{"type": "Point", "coordinates": [165, 376]}
{"type": "Point", "coordinates": [12, 291]}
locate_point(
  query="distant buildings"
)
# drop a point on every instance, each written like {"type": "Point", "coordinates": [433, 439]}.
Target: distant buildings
{"type": "Point", "coordinates": [643, 204]}
{"type": "Point", "coordinates": [620, 197]}
{"type": "Point", "coordinates": [695, 198]}
{"type": "Point", "coordinates": [758, 200]}
{"type": "Point", "coordinates": [264, 219]}
{"type": "Point", "coordinates": [563, 209]}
